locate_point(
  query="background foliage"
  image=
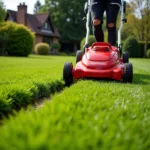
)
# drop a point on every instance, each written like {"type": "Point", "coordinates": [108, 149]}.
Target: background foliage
{"type": "Point", "coordinates": [91, 41]}
{"type": "Point", "coordinates": [67, 16]}
{"type": "Point", "coordinates": [2, 11]}
{"type": "Point", "coordinates": [132, 46]}
{"type": "Point", "coordinates": [148, 53]}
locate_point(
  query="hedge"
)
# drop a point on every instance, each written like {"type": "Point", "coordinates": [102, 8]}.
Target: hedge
{"type": "Point", "coordinates": [142, 48]}
{"type": "Point", "coordinates": [132, 46]}
{"type": "Point", "coordinates": [20, 39]}
{"type": "Point", "coordinates": [17, 97]}
{"type": "Point", "coordinates": [3, 44]}
{"type": "Point", "coordinates": [91, 41]}
{"type": "Point", "coordinates": [42, 48]}
{"type": "Point", "coordinates": [148, 53]}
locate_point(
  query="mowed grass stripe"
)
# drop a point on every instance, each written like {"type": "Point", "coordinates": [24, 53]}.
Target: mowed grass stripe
{"type": "Point", "coordinates": [18, 70]}
{"type": "Point", "coordinates": [22, 80]}
{"type": "Point", "coordinates": [88, 115]}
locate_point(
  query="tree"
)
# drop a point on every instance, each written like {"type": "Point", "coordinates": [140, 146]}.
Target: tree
{"type": "Point", "coordinates": [37, 7]}
{"type": "Point", "coordinates": [143, 13]}
{"type": "Point", "coordinates": [2, 11]}
{"type": "Point", "coordinates": [128, 28]}
{"type": "Point", "coordinates": [68, 18]}
{"type": "Point", "coordinates": [146, 20]}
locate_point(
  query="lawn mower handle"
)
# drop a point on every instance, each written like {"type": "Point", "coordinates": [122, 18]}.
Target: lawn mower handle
{"type": "Point", "coordinates": [87, 24]}
{"type": "Point", "coordinates": [123, 20]}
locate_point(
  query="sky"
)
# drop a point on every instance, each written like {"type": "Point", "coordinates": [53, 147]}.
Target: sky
{"type": "Point", "coordinates": [12, 4]}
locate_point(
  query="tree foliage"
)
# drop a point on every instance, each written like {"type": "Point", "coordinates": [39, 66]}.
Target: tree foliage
{"type": "Point", "coordinates": [138, 21]}
{"type": "Point", "coordinates": [37, 7]}
{"type": "Point", "coordinates": [143, 21]}
{"type": "Point", "coordinates": [2, 11]}
{"type": "Point", "coordinates": [68, 18]}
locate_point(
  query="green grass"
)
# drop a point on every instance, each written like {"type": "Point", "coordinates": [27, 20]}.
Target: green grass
{"type": "Point", "coordinates": [88, 115]}
{"type": "Point", "coordinates": [23, 70]}
{"type": "Point", "coordinates": [24, 79]}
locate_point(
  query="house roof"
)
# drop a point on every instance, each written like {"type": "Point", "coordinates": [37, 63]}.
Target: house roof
{"type": "Point", "coordinates": [36, 22]}
{"type": "Point", "coordinates": [42, 17]}
{"type": "Point", "coordinates": [13, 14]}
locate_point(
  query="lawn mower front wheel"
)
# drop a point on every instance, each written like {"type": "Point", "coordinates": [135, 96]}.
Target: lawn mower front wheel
{"type": "Point", "coordinates": [128, 73]}
{"type": "Point", "coordinates": [67, 73]}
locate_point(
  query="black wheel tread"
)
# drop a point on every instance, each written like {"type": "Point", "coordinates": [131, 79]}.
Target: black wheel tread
{"type": "Point", "coordinates": [128, 75]}
{"type": "Point", "coordinates": [67, 73]}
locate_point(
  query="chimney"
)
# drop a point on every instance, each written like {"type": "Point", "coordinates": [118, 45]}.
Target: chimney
{"type": "Point", "coordinates": [21, 14]}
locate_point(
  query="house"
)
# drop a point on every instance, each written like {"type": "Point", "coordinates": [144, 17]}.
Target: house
{"type": "Point", "coordinates": [40, 24]}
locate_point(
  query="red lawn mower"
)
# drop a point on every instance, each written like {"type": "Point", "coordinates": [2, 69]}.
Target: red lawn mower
{"type": "Point", "coordinates": [101, 60]}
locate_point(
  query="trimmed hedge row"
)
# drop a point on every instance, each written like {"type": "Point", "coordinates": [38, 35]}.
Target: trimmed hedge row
{"type": "Point", "coordinates": [139, 52]}
{"type": "Point", "coordinates": [148, 53]}
{"type": "Point", "coordinates": [17, 96]}
{"type": "Point", "coordinates": [142, 45]}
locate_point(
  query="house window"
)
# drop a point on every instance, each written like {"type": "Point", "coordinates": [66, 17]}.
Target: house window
{"type": "Point", "coordinates": [10, 19]}
{"type": "Point", "coordinates": [46, 26]}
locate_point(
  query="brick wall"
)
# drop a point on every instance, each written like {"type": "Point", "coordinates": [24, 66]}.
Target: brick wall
{"type": "Point", "coordinates": [38, 39]}
{"type": "Point", "coordinates": [21, 14]}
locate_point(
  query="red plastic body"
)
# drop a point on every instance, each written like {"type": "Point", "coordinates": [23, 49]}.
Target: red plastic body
{"type": "Point", "coordinates": [101, 60]}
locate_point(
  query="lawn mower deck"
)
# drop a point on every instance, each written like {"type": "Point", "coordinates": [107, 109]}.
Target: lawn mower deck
{"type": "Point", "coordinates": [101, 60]}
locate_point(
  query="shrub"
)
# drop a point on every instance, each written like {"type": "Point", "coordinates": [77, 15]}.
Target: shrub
{"type": "Point", "coordinates": [142, 47]}
{"type": "Point", "coordinates": [148, 53]}
{"type": "Point", "coordinates": [132, 46]}
{"type": "Point", "coordinates": [3, 44]}
{"type": "Point", "coordinates": [91, 41]}
{"type": "Point", "coordinates": [20, 39]}
{"type": "Point", "coordinates": [62, 54]}
{"type": "Point", "coordinates": [42, 48]}
{"type": "Point", "coordinates": [15, 97]}
{"type": "Point", "coordinates": [56, 46]}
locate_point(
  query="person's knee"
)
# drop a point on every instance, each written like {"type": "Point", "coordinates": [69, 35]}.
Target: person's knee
{"type": "Point", "coordinates": [111, 26]}
{"type": "Point", "coordinates": [96, 22]}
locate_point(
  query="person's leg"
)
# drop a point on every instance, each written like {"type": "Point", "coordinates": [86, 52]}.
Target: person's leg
{"type": "Point", "coordinates": [112, 13]}
{"type": "Point", "coordinates": [97, 11]}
